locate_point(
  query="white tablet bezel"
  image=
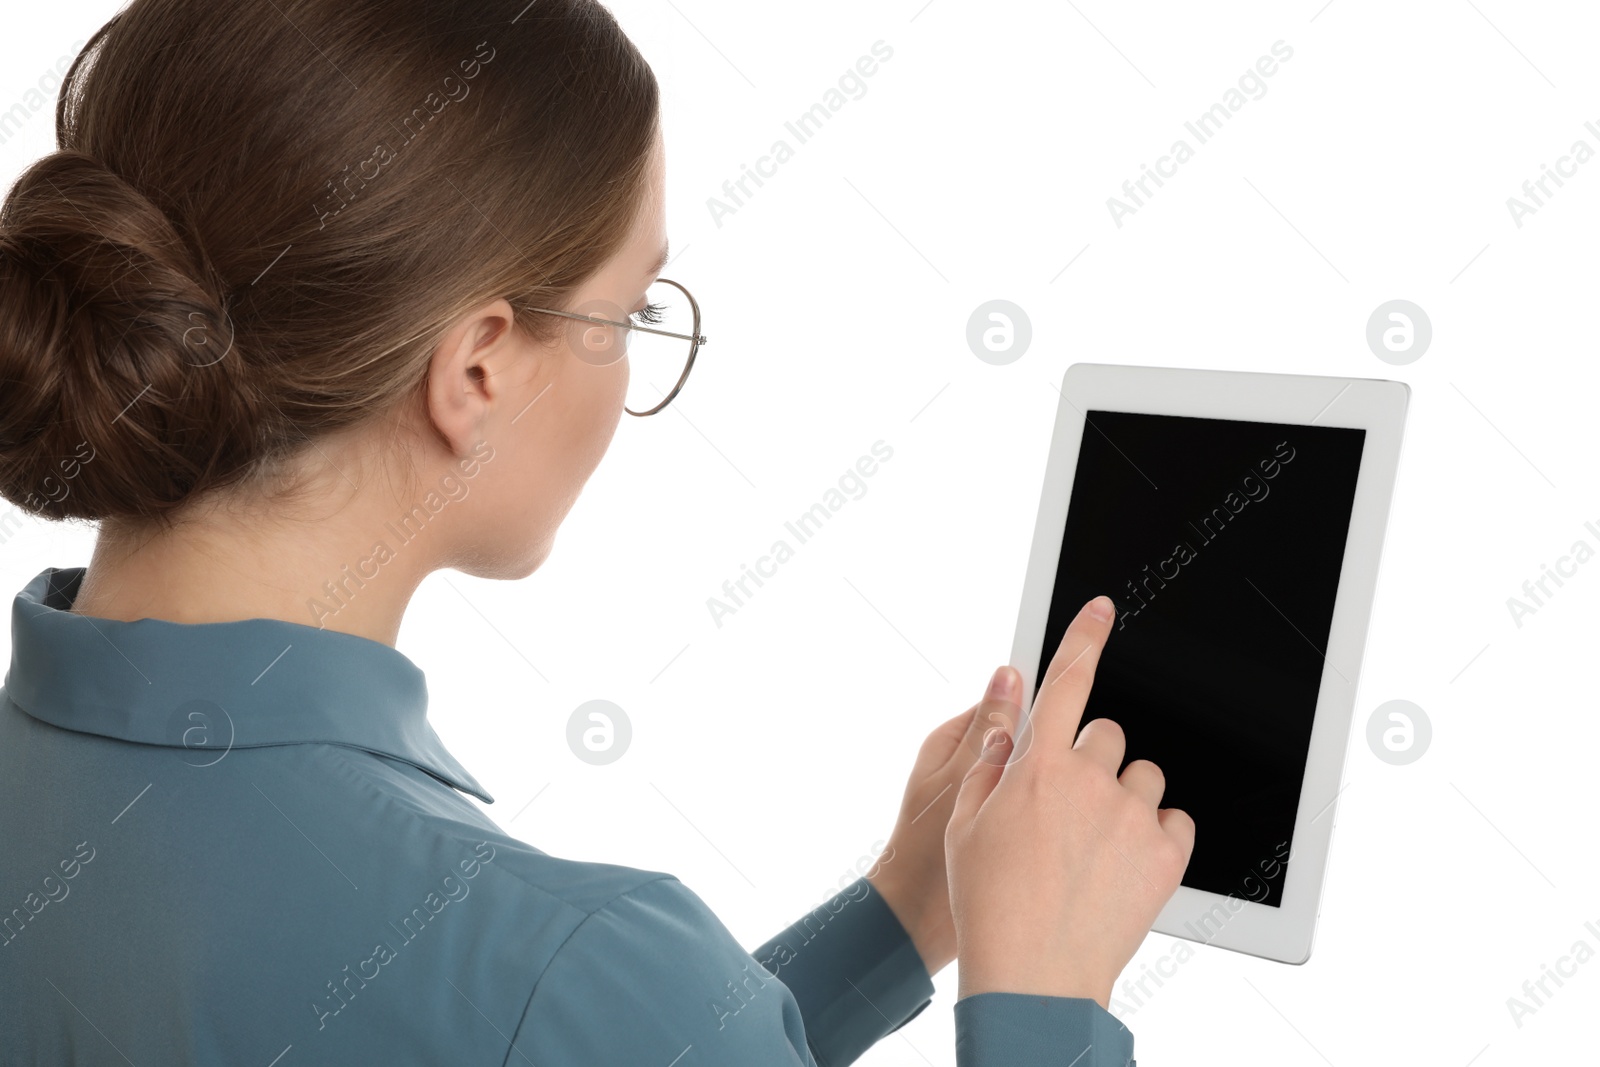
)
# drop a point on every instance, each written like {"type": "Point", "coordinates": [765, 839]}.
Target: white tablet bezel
{"type": "Point", "coordinates": [1378, 406]}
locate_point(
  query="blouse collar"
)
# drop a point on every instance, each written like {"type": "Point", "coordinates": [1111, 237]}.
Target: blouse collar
{"type": "Point", "coordinates": [218, 685]}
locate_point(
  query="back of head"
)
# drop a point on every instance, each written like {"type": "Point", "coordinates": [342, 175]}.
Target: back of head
{"type": "Point", "coordinates": [262, 214]}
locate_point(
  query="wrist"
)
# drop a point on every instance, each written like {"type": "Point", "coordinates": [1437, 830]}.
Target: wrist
{"type": "Point", "coordinates": [976, 978]}
{"type": "Point", "coordinates": [927, 935]}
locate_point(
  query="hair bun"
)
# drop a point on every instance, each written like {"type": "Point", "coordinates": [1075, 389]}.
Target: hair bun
{"type": "Point", "coordinates": [122, 392]}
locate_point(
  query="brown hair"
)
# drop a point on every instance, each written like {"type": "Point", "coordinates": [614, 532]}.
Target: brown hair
{"type": "Point", "coordinates": [264, 213]}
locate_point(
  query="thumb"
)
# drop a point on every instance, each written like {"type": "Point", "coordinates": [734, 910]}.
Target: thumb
{"type": "Point", "coordinates": [982, 777]}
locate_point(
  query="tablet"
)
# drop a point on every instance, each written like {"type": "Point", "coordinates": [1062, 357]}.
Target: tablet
{"type": "Point", "coordinates": [1236, 521]}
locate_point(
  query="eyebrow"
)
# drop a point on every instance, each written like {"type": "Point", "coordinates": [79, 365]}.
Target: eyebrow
{"type": "Point", "coordinates": [661, 264]}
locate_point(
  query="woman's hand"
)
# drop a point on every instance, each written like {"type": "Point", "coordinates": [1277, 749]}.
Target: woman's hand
{"type": "Point", "coordinates": [1058, 867]}
{"type": "Point", "coordinates": [910, 873]}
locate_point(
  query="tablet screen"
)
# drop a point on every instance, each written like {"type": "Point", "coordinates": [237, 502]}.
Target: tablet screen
{"type": "Point", "coordinates": [1221, 542]}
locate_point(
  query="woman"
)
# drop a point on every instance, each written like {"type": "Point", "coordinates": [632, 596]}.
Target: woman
{"type": "Point", "coordinates": [296, 268]}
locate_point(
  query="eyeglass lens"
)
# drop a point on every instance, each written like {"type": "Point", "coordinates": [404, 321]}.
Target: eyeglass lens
{"type": "Point", "coordinates": [656, 362]}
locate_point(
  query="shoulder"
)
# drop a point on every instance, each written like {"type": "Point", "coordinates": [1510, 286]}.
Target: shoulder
{"type": "Point", "coordinates": [648, 976]}
{"type": "Point", "coordinates": [621, 964]}
{"type": "Point", "coordinates": [421, 819]}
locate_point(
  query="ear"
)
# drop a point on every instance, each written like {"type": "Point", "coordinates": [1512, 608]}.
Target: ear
{"type": "Point", "coordinates": [464, 380]}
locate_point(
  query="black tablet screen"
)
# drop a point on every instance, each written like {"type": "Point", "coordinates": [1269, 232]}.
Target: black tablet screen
{"type": "Point", "coordinates": [1220, 542]}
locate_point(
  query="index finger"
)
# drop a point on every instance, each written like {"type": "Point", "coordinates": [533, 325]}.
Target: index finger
{"type": "Point", "coordinates": [1058, 705]}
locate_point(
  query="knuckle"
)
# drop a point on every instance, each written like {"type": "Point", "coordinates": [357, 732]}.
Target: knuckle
{"type": "Point", "coordinates": [1109, 727]}
{"type": "Point", "coordinates": [1146, 768]}
{"type": "Point", "coordinates": [1133, 816]}
{"type": "Point", "coordinates": [1179, 838]}
{"type": "Point", "coordinates": [1174, 857]}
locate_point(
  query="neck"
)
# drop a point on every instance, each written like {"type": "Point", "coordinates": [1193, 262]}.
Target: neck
{"type": "Point", "coordinates": [214, 569]}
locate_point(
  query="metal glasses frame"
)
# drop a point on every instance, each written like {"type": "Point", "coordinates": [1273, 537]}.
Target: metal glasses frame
{"type": "Point", "coordinates": [695, 339]}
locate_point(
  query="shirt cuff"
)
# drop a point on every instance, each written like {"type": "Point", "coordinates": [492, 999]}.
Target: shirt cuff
{"type": "Point", "coordinates": [1022, 1030]}
{"type": "Point", "coordinates": [852, 969]}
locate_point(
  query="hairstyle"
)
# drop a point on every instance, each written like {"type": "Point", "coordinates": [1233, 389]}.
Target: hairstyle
{"type": "Point", "coordinates": [263, 214]}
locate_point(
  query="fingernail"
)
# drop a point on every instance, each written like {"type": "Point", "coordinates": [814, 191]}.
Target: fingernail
{"type": "Point", "coordinates": [1001, 685]}
{"type": "Point", "coordinates": [1100, 607]}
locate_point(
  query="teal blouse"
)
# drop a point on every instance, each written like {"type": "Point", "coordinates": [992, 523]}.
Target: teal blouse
{"type": "Point", "coordinates": [242, 843]}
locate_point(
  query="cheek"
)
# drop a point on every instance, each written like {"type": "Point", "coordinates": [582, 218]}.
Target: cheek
{"type": "Point", "coordinates": [596, 372]}
{"type": "Point", "coordinates": [607, 396]}
{"type": "Point", "coordinates": [612, 412]}
{"type": "Point", "coordinates": [587, 421]}
{"type": "Point", "coordinates": [561, 437]}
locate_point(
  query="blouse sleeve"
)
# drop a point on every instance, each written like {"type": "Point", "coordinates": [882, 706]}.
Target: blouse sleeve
{"type": "Point", "coordinates": [654, 977]}
{"type": "Point", "coordinates": [853, 970]}
{"type": "Point", "coordinates": [858, 978]}
{"type": "Point", "coordinates": [1020, 1030]}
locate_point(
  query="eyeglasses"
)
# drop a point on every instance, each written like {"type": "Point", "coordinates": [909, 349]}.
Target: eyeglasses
{"type": "Point", "coordinates": [672, 306]}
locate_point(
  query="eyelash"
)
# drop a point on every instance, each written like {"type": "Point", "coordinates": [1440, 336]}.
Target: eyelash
{"type": "Point", "coordinates": [651, 315]}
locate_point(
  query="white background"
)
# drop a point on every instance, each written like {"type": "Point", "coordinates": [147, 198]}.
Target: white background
{"type": "Point", "coordinates": [769, 754]}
